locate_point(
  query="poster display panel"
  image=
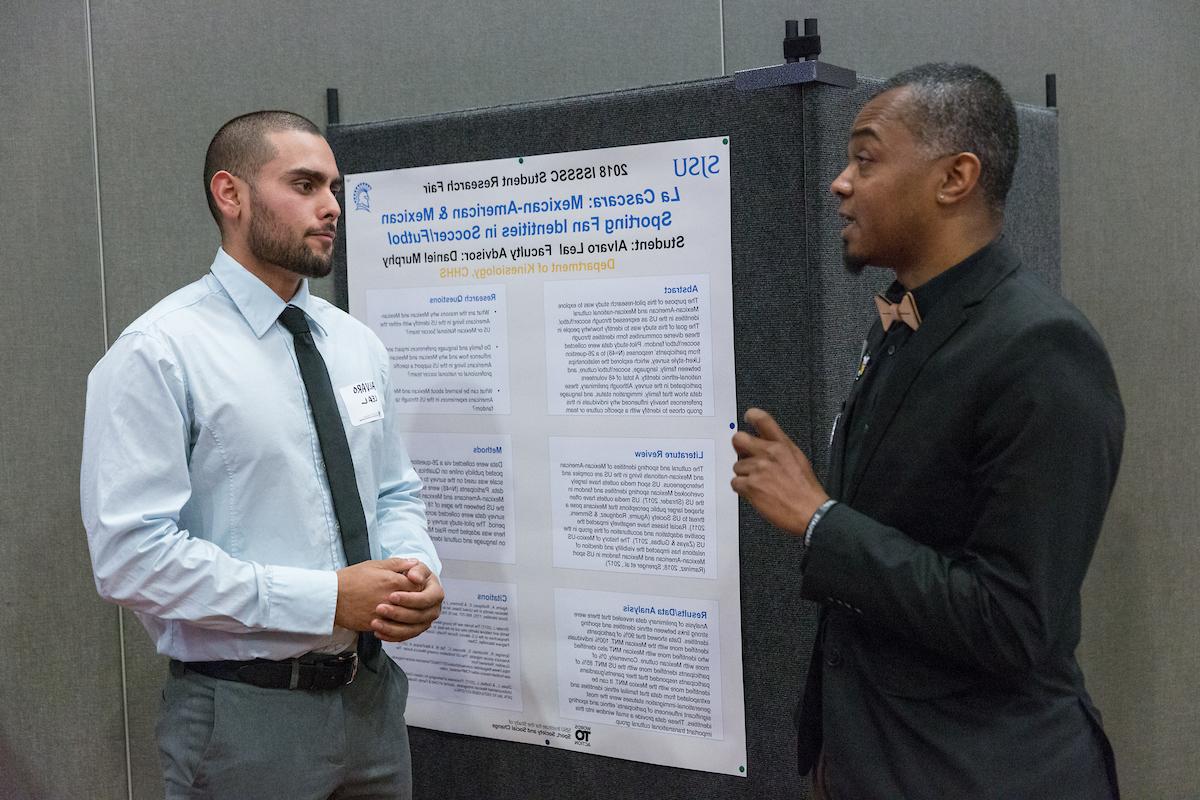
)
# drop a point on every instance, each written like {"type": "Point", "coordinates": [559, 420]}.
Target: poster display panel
{"type": "Point", "coordinates": [560, 329]}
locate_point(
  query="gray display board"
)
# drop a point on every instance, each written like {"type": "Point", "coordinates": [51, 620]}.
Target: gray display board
{"type": "Point", "coordinates": [799, 319]}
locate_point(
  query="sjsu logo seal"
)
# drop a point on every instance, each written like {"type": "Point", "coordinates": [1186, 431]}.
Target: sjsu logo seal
{"type": "Point", "coordinates": [362, 197]}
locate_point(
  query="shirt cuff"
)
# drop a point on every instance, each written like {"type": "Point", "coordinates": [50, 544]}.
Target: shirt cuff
{"type": "Point", "coordinates": [301, 600]}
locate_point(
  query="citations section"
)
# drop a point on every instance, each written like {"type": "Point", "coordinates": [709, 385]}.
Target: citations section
{"type": "Point", "coordinates": [470, 656]}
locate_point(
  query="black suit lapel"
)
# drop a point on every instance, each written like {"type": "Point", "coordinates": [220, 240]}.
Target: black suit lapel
{"type": "Point", "coordinates": [952, 312]}
{"type": "Point", "coordinates": [837, 463]}
{"type": "Point", "coordinates": [923, 344]}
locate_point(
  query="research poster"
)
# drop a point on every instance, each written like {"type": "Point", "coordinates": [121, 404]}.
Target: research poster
{"type": "Point", "coordinates": [560, 329]}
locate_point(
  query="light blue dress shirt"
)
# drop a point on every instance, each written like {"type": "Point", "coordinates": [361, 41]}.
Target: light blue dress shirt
{"type": "Point", "coordinates": [203, 489]}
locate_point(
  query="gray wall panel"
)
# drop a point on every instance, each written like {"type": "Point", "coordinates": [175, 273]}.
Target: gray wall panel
{"type": "Point", "coordinates": [61, 719]}
{"type": "Point", "coordinates": [1127, 78]}
{"type": "Point", "coordinates": [1129, 205]}
{"type": "Point", "coordinates": [145, 672]}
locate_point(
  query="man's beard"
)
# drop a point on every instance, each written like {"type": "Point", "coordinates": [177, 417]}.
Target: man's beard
{"type": "Point", "coordinates": [269, 241]}
{"type": "Point", "coordinates": [854, 264]}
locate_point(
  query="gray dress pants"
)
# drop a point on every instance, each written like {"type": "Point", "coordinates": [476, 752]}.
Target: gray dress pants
{"type": "Point", "coordinates": [223, 740]}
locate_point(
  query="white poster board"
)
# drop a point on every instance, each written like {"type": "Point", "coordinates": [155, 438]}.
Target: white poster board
{"type": "Point", "coordinates": [561, 335]}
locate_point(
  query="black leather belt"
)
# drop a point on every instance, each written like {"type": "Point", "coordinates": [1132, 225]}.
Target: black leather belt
{"type": "Point", "coordinates": [310, 672]}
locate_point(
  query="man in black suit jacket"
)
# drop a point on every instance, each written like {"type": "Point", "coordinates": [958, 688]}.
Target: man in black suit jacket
{"type": "Point", "coordinates": [970, 472]}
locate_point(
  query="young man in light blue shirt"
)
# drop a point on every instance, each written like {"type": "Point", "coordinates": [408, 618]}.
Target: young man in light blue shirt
{"type": "Point", "coordinates": [206, 493]}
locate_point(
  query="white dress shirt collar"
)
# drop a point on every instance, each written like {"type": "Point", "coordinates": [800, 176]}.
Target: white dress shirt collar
{"type": "Point", "coordinates": [257, 302]}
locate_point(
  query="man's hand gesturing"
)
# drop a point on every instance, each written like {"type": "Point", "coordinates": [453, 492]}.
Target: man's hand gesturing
{"type": "Point", "coordinates": [774, 475]}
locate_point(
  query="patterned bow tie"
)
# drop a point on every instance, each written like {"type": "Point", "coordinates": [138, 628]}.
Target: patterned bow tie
{"type": "Point", "coordinates": [905, 311]}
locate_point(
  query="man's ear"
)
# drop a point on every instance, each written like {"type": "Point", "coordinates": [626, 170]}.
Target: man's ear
{"type": "Point", "coordinates": [960, 178]}
{"type": "Point", "coordinates": [230, 193]}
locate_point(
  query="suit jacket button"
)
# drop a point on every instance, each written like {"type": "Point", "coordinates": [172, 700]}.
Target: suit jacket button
{"type": "Point", "coordinates": [833, 657]}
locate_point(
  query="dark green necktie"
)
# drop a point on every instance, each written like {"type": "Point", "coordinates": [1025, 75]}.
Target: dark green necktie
{"type": "Point", "coordinates": [335, 450]}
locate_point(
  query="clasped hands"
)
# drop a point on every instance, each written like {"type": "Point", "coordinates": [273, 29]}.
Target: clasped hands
{"type": "Point", "coordinates": [396, 598]}
{"type": "Point", "coordinates": [774, 475]}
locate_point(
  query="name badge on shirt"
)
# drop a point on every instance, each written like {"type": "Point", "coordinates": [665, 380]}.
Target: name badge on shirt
{"type": "Point", "coordinates": [362, 402]}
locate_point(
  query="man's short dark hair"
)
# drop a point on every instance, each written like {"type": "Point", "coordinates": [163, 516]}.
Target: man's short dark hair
{"type": "Point", "coordinates": [957, 108]}
{"type": "Point", "coordinates": [240, 147]}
